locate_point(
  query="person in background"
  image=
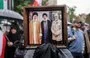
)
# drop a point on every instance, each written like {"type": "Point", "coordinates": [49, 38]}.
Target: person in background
{"type": "Point", "coordinates": [69, 27]}
{"type": "Point", "coordinates": [76, 47]}
{"type": "Point", "coordinates": [2, 44]}
{"type": "Point", "coordinates": [46, 29]}
{"type": "Point", "coordinates": [84, 28]}
{"type": "Point", "coordinates": [87, 41]}
{"type": "Point", "coordinates": [13, 38]}
{"type": "Point", "coordinates": [35, 30]}
{"type": "Point", "coordinates": [71, 35]}
{"type": "Point", "coordinates": [88, 31]}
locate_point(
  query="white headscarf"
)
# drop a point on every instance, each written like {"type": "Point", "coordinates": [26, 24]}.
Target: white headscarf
{"type": "Point", "coordinates": [1, 41]}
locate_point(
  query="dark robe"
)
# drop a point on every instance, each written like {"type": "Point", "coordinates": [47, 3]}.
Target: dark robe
{"type": "Point", "coordinates": [49, 34]}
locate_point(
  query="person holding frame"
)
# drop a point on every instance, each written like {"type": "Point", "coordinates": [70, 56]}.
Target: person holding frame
{"type": "Point", "coordinates": [35, 30]}
{"type": "Point", "coordinates": [46, 28]}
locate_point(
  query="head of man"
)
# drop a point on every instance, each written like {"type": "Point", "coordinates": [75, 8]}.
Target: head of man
{"type": "Point", "coordinates": [56, 16]}
{"type": "Point", "coordinates": [13, 30]}
{"type": "Point", "coordinates": [77, 24]}
{"type": "Point", "coordinates": [35, 16]}
{"type": "Point", "coordinates": [44, 16]}
{"type": "Point", "coordinates": [86, 26]}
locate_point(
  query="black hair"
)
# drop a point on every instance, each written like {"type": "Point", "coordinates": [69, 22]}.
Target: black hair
{"type": "Point", "coordinates": [77, 22]}
{"type": "Point", "coordinates": [0, 28]}
{"type": "Point", "coordinates": [35, 13]}
{"type": "Point", "coordinates": [82, 24]}
{"type": "Point", "coordinates": [44, 14]}
{"type": "Point", "coordinates": [14, 25]}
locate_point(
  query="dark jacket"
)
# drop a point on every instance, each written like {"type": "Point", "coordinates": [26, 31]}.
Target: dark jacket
{"type": "Point", "coordinates": [88, 34]}
{"type": "Point", "coordinates": [49, 34]}
{"type": "Point", "coordinates": [11, 50]}
{"type": "Point", "coordinates": [45, 51]}
{"type": "Point", "coordinates": [50, 51]}
{"type": "Point", "coordinates": [13, 37]}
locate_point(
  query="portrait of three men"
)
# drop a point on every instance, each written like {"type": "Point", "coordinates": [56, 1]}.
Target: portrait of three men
{"type": "Point", "coordinates": [45, 27]}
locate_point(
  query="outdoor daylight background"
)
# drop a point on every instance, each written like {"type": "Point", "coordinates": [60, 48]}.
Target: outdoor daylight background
{"type": "Point", "coordinates": [82, 6]}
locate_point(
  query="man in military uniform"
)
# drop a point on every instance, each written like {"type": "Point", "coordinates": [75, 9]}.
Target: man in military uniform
{"type": "Point", "coordinates": [56, 29]}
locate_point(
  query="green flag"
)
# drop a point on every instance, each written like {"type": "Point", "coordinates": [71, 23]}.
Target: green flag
{"type": "Point", "coordinates": [1, 4]}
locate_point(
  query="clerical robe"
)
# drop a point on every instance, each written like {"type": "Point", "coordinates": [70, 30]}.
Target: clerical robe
{"type": "Point", "coordinates": [35, 32]}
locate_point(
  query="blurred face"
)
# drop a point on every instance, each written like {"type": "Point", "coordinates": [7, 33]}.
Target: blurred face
{"type": "Point", "coordinates": [85, 27]}
{"type": "Point", "coordinates": [56, 17]}
{"type": "Point", "coordinates": [45, 17]}
{"type": "Point", "coordinates": [35, 17]}
{"type": "Point", "coordinates": [89, 27]}
{"type": "Point", "coordinates": [13, 31]}
{"type": "Point", "coordinates": [77, 25]}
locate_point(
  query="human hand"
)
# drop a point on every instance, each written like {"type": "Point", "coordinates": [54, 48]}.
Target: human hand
{"type": "Point", "coordinates": [10, 43]}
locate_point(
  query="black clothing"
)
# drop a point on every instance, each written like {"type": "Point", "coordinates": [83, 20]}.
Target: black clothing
{"type": "Point", "coordinates": [13, 37]}
{"type": "Point", "coordinates": [49, 34]}
{"type": "Point", "coordinates": [88, 31]}
{"type": "Point", "coordinates": [46, 51]}
{"type": "Point", "coordinates": [49, 51]}
{"type": "Point", "coordinates": [11, 50]}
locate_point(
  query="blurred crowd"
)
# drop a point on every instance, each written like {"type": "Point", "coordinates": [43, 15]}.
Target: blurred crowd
{"type": "Point", "coordinates": [10, 41]}
{"type": "Point", "coordinates": [79, 39]}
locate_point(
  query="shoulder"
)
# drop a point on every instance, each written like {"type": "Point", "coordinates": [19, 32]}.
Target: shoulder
{"type": "Point", "coordinates": [88, 31]}
{"type": "Point", "coordinates": [81, 31]}
{"type": "Point", "coordinates": [53, 21]}
{"type": "Point", "coordinates": [48, 20]}
{"type": "Point", "coordinates": [42, 21]}
{"type": "Point", "coordinates": [31, 21]}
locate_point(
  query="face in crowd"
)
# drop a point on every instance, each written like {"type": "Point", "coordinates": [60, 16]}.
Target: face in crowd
{"type": "Point", "coordinates": [13, 30]}
{"type": "Point", "coordinates": [56, 16]}
{"type": "Point", "coordinates": [35, 16]}
{"type": "Point", "coordinates": [77, 24]}
{"type": "Point", "coordinates": [44, 16]}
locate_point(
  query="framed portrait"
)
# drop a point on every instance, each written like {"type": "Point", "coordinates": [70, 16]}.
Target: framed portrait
{"type": "Point", "coordinates": [45, 24]}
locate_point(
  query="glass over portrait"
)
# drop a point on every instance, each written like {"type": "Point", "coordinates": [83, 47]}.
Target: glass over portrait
{"type": "Point", "coordinates": [46, 26]}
